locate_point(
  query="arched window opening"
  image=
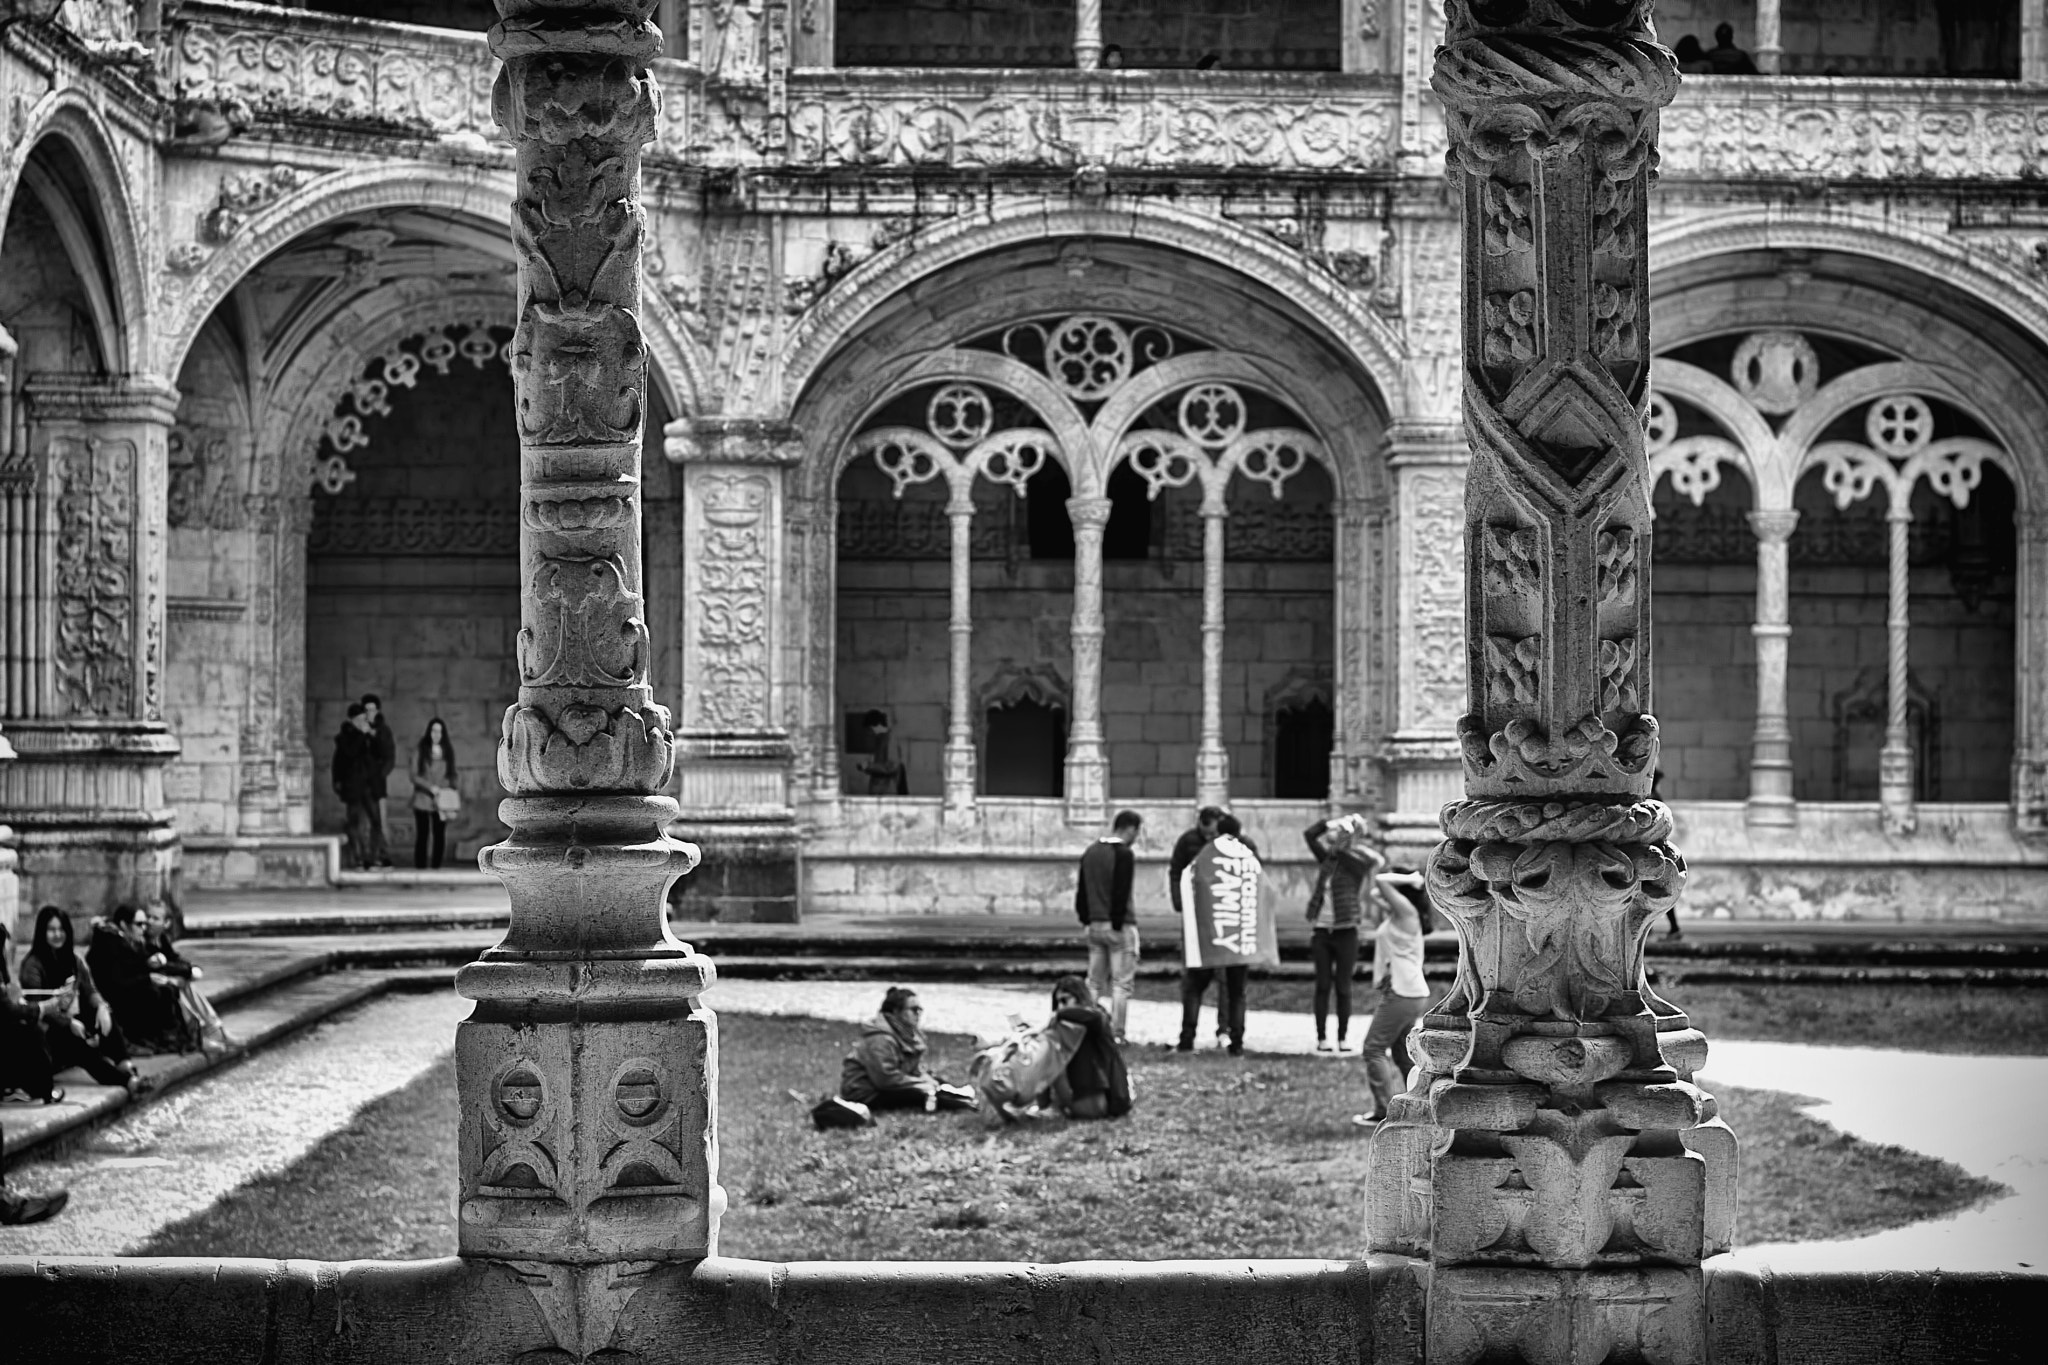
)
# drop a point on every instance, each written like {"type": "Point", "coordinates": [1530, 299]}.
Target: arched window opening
{"type": "Point", "coordinates": [1134, 518]}
{"type": "Point", "coordinates": [1303, 733]}
{"type": "Point", "coordinates": [1704, 651]}
{"type": "Point", "coordinates": [1047, 523]}
{"type": "Point", "coordinates": [1025, 749]}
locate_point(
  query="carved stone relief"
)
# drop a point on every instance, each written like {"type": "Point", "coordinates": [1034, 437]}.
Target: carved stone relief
{"type": "Point", "coordinates": [95, 578]}
{"type": "Point", "coordinates": [728, 605]}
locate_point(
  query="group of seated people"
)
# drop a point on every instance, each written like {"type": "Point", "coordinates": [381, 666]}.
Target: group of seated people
{"type": "Point", "coordinates": [129, 993]}
{"type": "Point", "coordinates": [1069, 1065]}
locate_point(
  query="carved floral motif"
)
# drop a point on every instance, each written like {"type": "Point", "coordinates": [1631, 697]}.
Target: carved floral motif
{"type": "Point", "coordinates": [95, 576]}
{"type": "Point", "coordinates": [730, 604]}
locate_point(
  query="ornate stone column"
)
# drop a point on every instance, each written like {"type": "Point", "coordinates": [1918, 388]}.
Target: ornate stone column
{"type": "Point", "coordinates": [1769, 47]}
{"type": "Point", "coordinates": [1429, 465]}
{"type": "Point", "coordinates": [1539, 1160]}
{"type": "Point", "coordinates": [1087, 775]}
{"type": "Point", "coordinates": [86, 793]}
{"type": "Point", "coordinates": [1212, 760]}
{"type": "Point", "coordinates": [733, 741]}
{"type": "Point", "coordinates": [587, 1074]}
{"type": "Point", "coordinates": [2034, 42]}
{"type": "Point", "coordinates": [2030, 735]}
{"type": "Point", "coordinates": [1895, 758]}
{"type": "Point", "coordinates": [1770, 762]}
{"type": "Point", "coordinates": [1087, 34]}
{"type": "Point", "coordinates": [1358, 563]}
{"type": "Point", "coordinates": [959, 754]}
{"type": "Point", "coordinates": [10, 883]}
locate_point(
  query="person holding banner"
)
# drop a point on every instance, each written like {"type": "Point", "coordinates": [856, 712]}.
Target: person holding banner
{"type": "Point", "coordinates": [1226, 925]}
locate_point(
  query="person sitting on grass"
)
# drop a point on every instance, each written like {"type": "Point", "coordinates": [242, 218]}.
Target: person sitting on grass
{"type": "Point", "coordinates": [83, 1035]}
{"type": "Point", "coordinates": [128, 974]}
{"type": "Point", "coordinates": [886, 1068]}
{"type": "Point", "coordinates": [1095, 1084]}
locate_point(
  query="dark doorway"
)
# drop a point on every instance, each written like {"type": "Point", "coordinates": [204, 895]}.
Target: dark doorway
{"type": "Point", "coordinates": [1047, 521]}
{"type": "Point", "coordinates": [1129, 534]}
{"type": "Point", "coordinates": [1302, 737]}
{"type": "Point", "coordinates": [1026, 752]}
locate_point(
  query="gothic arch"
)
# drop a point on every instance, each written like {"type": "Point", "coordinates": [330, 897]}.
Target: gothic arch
{"type": "Point", "coordinates": [1364, 339]}
{"type": "Point", "coordinates": [65, 116]}
{"type": "Point", "coordinates": [478, 194]}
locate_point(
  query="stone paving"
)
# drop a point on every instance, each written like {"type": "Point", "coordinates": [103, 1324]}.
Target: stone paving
{"type": "Point", "coordinates": [171, 1159]}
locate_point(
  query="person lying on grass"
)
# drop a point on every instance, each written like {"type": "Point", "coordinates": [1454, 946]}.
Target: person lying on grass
{"type": "Point", "coordinates": [886, 1068]}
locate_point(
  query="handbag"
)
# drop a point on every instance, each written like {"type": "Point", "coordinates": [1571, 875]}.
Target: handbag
{"type": "Point", "coordinates": [447, 802]}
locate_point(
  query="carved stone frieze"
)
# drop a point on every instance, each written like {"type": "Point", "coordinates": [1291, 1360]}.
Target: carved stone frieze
{"type": "Point", "coordinates": [243, 193]}
{"type": "Point", "coordinates": [96, 562]}
{"type": "Point", "coordinates": [204, 489]}
{"type": "Point", "coordinates": [1855, 130]}
{"type": "Point", "coordinates": [1432, 503]}
{"type": "Point", "coordinates": [728, 605]}
{"type": "Point", "coordinates": [356, 527]}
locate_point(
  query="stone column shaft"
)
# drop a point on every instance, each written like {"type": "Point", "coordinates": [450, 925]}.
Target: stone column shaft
{"type": "Point", "coordinates": [2034, 42]}
{"type": "Point", "coordinates": [1212, 760]}
{"type": "Point", "coordinates": [1541, 1155]}
{"type": "Point", "coordinates": [1770, 763]}
{"type": "Point", "coordinates": [2030, 748]}
{"type": "Point", "coordinates": [1087, 775]}
{"type": "Point", "coordinates": [1769, 46]}
{"type": "Point", "coordinates": [587, 1074]}
{"type": "Point", "coordinates": [960, 661]}
{"type": "Point", "coordinates": [1088, 34]}
{"type": "Point", "coordinates": [1895, 759]}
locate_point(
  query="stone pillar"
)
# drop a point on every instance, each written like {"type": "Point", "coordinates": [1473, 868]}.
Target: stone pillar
{"type": "Point", "coordinates": [1539, 1159]}
{"type": "Point", "coordinates": [1212, 760]}
{"type": "Point", "coordinates": [1360, 583]}
{"type": "Point", "coordinates": [10, 882]}
{"type": "Point", "coordinates": [2034, 42]}
{"type": "Point", "coordinates": [733, 742]}
{"type": "Point", "coordinates": [2030, 729]}
{"type": "Point", "coordinates": [1087, 775]}
{"type": "Point", "coordinates": [1770, 762]}
{"type": "Point", "coordinates": [1422, 752]}
{"type": "Point", "coordinates": [1769, 46]}
{"type": "Point", "coordinates": [86, 792]}
{"type": "Point", "coordinates": [1895, 758]}
{"type": "Point", "coordinates": [959, 754]}
{"type": "Point", "coordinates": [587, 1074]}
{"type": "Point", "coordinates": [1087, 34]}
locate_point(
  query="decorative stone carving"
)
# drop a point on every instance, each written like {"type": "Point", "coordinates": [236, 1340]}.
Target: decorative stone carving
{"type": "Point", "coordinates": [1775, 371]}
{"type": "Point", "coordinates": [96, 560]}
{"type": "Point", "coordinates": [203, 489]}
{"type": "Point", "coordinates": [1880, 130]}
{"type": "Point", "coordinates": [587, 1072]}
{"type": "Point", "coordinates": [334, 71]}
{"type": "Point", "coordinates": [1433, 500]}
{"type": "Point", "coordinates": [354, 527]}
{"type": "Point", "coordinates": [1539, 1155]}
{"type": "Point", "coordinates": [727, 607]}
{"type": "Point", "coordinates": [243, 193]}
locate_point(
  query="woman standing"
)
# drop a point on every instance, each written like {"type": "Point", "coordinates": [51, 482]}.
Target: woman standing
{"type": "Point", "coordinates": [1397, 973]}
{"type": "Point", "coordinates": [1346, 862]}
{"type": "Point", "coordinates": [435, 799]}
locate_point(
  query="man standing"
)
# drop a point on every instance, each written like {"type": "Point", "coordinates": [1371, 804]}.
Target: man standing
{"type": "Point", "coordinates": [1226, 925]}
{"type": "Point", "coordinates": [1185, 848]}
{"type": "Point", "coordinates": [886, 776]}
{"type": "Point", "coordinates": [355, 777]}
{"type": "Point", "coordinates": [385, 747]}
{"type": "Point", "coordinates": [1102, 902]}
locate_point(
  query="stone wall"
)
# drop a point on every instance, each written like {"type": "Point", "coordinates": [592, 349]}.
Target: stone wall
{"type": "Point", "coordinates": [1291, 35]}
{"type": "Point", "coordinates": [1866, 37]}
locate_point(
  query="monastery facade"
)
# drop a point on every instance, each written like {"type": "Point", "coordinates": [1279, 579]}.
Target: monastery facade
{"type": "Point", "coordinates": [1101, 427]}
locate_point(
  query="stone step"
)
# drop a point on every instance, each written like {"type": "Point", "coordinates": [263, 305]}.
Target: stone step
{"type": "Point", "coordinates": [259, 1009]}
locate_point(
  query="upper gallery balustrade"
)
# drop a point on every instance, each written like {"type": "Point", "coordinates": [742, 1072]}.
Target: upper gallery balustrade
{"type": "Point", "coordinates": [277, 72]}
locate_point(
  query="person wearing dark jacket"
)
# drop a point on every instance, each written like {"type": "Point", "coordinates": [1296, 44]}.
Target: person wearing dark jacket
{"type": "Point", "coordinates": [357, 781]}
{"type": "Point", "coordinates": [1345, 864]}
{"type": "Point", "coordinates": [25, 1065]}
{"type": "Point", "coordinates": [385, 746]}
{"type": "Point", "coordinates": [1096, 1084]}
{"type": "Point", "coordinates": [1191, 843]}
{"type": "Point", "coordinates": [125, 970]}
{"type": "Point", "coordinates": [886, 1068]}
{"type": "Point", "coordinates": [1102, 902]}
{"type": "Point", "coordinates": [85, 1035]}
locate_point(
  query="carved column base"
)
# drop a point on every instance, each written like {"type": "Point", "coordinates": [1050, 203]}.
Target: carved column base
{"type": "Point", "coordinates": [1771, 804]}
{"type": "Point", "coordinates": [1489, 1313]}
{"type": "Point", "coordinates": [1087, 784]}
{"type": "Point", "coordinates": [589, 1142]}
{"type": "Point", "coordinates": [1895, 789]}
{"type": "Point", "coordinates": [276, 795]}
{"type": "Point", "coordinates": [86, 799]}
{"type": "Point", "coordinates": [1212, 776]}
{"type": "Point", "coordinates": [960, 812]}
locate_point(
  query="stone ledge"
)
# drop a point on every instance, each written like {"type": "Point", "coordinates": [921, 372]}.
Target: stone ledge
{"type": "Point", "coordinates": [207, 1311]}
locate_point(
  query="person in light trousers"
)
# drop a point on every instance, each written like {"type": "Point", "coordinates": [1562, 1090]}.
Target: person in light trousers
{"type": "Point", "coordinates": [1102, 902]}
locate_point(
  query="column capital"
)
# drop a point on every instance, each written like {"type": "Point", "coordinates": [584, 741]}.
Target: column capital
{"type": "Point", "coordinates": [1089, 513]}
{"type": "Point", "coordinates": [1774, 527]}
{"type": "Point", "coordinates": [1427, 443]}
{"type": "Point", "coordinates": [732, 440]}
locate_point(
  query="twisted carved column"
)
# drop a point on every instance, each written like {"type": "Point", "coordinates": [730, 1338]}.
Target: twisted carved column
{"type": "Point", "coordinates": [959, 755]}
{"type": "Point", "coordinates": [587, 1071]}
{"type": "Point", "coordinates": [1770, 761]}
{"type": "Point", "coordinates": [1895, 758]}
{"type": "Point", "coordinates": [1540, 1160]}
{"type": "Point", "coordinates": [1212, 760]}
{"type": "Point", "coordinates": [1087, 775]}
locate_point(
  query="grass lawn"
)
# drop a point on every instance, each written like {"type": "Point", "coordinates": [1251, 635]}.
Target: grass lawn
{"type": "Point", "coordinates": [1935, 1017]}
{"type": "Point", "coordinates": [1224, 1157]}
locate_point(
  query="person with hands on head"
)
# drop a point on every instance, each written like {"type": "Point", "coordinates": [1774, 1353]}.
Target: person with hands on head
{"type": "Point", "coordinates": [1345, 861]}
{"type": "Point", "coordinates": [1397, 974]}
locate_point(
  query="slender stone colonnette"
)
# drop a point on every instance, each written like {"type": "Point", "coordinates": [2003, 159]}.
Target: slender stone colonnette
{"type": "Point", "coordinates": [588, 1071]}
{"type": "Point", "coordinates": [1553, 1160]}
